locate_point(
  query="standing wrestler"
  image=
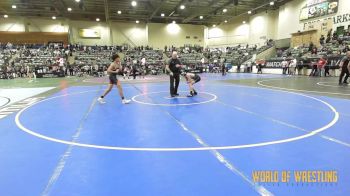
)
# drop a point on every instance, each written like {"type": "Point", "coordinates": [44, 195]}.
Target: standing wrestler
{"type": "Point", "coordinates": [113, 69]}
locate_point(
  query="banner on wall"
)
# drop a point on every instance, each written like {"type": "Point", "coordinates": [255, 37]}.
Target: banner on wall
{"type": "Point", "coordinates": [273, 64]}
{"type": "Point", "coordinates": [319, 8]}
{"type": "Point", "coordinates": [89, 33]}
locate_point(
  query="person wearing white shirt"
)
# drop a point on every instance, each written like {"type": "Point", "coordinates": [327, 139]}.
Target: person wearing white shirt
{"type": "Point", "coordinates": [292, 67]}
{"type": "Point", "coordinates": [284, 65]}
{"type": "Point", "coordinates": [143, 61]}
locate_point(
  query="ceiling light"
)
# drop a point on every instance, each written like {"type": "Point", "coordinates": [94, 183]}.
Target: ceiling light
{"type": "Point", "coordinates": [137, 22]}
{"type": "Point", "coordinates": [119, 12]}
{"type": "Point", "coordinates": [182, 7]}
{"type": "Point", "coordinates": [174, 22]}
{"type": "Point", "coordinates": [214, 25]}
{"type": "Point", "coordinates": [6, 16]}
{"type": "Point", "coordinates": [97, 19]}
{"type": "Point", "coordinates": [162, 14]}
{"type": "Point", "coordinates": [14, 6]}
{"type": "Point", "coordinates": [272, 3]}
{"type": "Point", "coordinates": [244, 22]}
{"type": "Point", "coordinates": [225, 21]}
{"type": "Point", "coordinates": [249, 12]}
{"type": "Point", "coordinates": [69, 9]}
{"type": "Point", "coordinates": [201, 17]}
{"type": "Point", "coordinates": [77, 1]}
{"type": "Point", "coordinates": [53, 17]}
{"type": "Point", "coordinates": [224, 10]}
{"type": "Point", "coordinates": [134, 3]}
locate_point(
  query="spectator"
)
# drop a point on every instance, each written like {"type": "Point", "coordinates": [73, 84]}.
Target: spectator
{"type": "Point", "coordinates": [314, 68]}
{"type": "Point", "coordinates": [314, 51]}
{"type": "Point", "coordinates": [284, 65]}
{"type": "Point", "coordinates": [311, 46]}
{"type": "Point", "coordinates": [292, 66]}
{"type": "Point", "coordinates": [322, 39]}
{"type": "Point", "coordinates": [320, 66]}
{"type": "Point", "coordinates": [326, 69]}
{"type": "Point", "coordinates": [344, 67]}
{"type": "Point", "coordinates": [300, 67]}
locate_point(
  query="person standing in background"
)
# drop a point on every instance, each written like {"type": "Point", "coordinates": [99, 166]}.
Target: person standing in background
{"type": "Point", "coordinates": [284, 65]}
{"type": "Point", "coordinates": [326, 69]}
{"type": "Point", "coordinates": [314, 68]}
{"type": "Point", "coordinates": [322, 39]}
{"type": "Point", "coordinates": [320, 66]}
{"type": "Point", "coordinates": [344, 68]}
{"type": "Point", "coordinates": [134, 69]}
{"type": "Point", "coordinates": [292, 66]}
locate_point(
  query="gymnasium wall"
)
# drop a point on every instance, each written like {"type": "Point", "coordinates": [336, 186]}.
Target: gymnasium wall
{"type": "Point", "coordinates": [33, 25]}
{"type": "Point", "coordinates": [273, 24]}
{"type": "Point", "coordinates": [156, 35]}
{"type": "Point", "coordinates": [32, 37]}
{"type": "Point", "coordinates": [129, 33]}
{"type": "Point", "coordinates": [40, 25]}
{"type": "Point", "coordinates": [160, 35]}
{"type": "Point", "coordinates": [12, 24]}
{"type": "Point", "coordinates": [288, 18]}
{"type": "Point", "coordinates": [98, 26]}
{"type": "Point", "coordinates": [263, 27]}
{"type": "Point", "coordinates": [232, 33]}
{"type": "Point", "coordinates": [258, 28]}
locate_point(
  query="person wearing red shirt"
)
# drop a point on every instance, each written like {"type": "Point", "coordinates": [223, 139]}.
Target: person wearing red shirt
{"type": "Point", "coordinates": [320, 65]}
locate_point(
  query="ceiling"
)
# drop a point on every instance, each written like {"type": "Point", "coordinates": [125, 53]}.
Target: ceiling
{"type": "Point", "coordinates": [145, 11]}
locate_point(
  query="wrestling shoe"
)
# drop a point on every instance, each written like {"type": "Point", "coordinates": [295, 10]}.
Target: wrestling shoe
{"type": "Point", "coordinates": [126, 101]}
{"type": "Point", "coordinates": [191, 94]}
{"type": "Point", "coordinates": [101, 100]}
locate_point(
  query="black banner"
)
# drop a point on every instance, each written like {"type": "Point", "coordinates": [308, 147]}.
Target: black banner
{"type": "Point", "coordinates": [50, 75]}
{"type": "Point", "coordinates": [273, 64]}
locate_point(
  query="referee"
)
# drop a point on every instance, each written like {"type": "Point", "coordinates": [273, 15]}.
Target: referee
{"type": "Point", "coordinates": [174, 68]}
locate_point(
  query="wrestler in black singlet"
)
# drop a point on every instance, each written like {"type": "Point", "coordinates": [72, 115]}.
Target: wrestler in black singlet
{"type": "Point", "coordinates": [113, 77]}
{"type": "Point", "coordinates": [196, 78]}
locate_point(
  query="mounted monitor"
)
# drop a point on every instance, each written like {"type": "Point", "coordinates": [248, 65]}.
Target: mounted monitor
{"type": "Point", "coordinates": [318, 8]}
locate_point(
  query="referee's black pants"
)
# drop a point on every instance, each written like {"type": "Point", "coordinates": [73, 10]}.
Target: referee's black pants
{"type": "Point", "coordinates": [344, 71]}
{"type": "Point", "coordinates": [174, 83]}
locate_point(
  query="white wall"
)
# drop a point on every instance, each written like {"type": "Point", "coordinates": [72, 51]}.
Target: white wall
{"type": "Point", "coordinates": [12, 24]}
{"type": "Point", "coordinates": [263, 26]}
{"type": "Point", "coordinates": [277, 24]}
{"type": "Point", "coordinates": [232, 33]}
{"type": "Point", "coordinates": [40, 25]}
{"type": "Point", "coordinates": [257, 29]}
{"type": "Point", "coordinates": [102, 27]}
{"type": "Point", "coordinates": [33, 25]}
{"type": "Point", "coordinates": [288, 19]}
{"type": "Point", "coordinates": [344, 8]}
{"type": "Point", "coordinates": [160, 35]}
{"type": "Point", "coordinates": [129, 33]}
